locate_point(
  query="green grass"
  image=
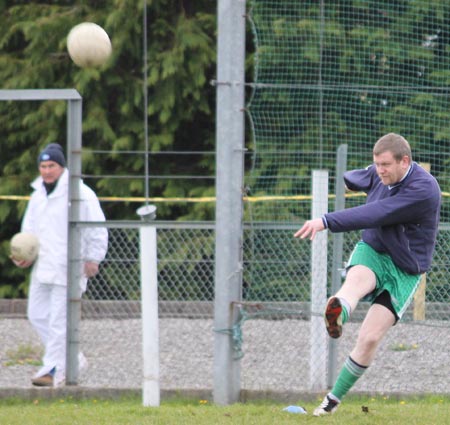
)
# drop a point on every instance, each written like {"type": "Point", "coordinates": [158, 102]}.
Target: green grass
{"type": "Point", "coordinates": [24, 354]}
{"type": "Point", "coordinates": [404, 347]}
{"type": "Point", "coordinates": [357, 411]}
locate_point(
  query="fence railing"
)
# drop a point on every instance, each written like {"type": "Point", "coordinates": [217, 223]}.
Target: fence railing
{"type": "Point", "coordinates": [272, 338]}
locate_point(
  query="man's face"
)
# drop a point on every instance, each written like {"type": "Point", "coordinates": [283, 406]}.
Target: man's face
{"type": "Point", "coordinates": [50, 171]}
{"type": "Point", "coordinates": [389, 169]}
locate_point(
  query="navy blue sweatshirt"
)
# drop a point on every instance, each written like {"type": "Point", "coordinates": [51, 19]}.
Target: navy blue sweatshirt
{"type": "Point", "coordinates": [401, 221]}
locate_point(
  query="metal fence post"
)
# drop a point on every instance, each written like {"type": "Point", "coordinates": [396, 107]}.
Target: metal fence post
{"type": "Point", "coordinates": [319, 248]}
{"type": "Point", "coordinates": [74, 144]}
{"type": "Point", "coordinates": [229, 184]}
{"type": "Point", "coordinates": [338, 247]}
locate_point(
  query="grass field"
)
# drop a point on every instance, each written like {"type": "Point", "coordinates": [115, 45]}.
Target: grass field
{"type": "Point", "coordinates": [375, 411]}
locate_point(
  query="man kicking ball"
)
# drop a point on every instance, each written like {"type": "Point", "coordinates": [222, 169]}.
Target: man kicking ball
{"type": "Point", "coordinates": [400, 222]}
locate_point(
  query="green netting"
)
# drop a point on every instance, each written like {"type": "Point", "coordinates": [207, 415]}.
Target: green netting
{"type": "Point", "coordinates": [328, 73]}
{"type": "Point", "coordinates": [343, 72]}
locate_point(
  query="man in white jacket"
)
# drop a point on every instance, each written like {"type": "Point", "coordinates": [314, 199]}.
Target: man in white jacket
{"type": "Point", "coordinates": [46, 217]}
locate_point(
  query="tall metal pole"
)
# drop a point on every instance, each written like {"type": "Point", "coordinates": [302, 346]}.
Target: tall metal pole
{"type": "Point", "coordinates": [338, 248]}
{"type": "Point", "coordinates": [74, 144]}
{"type": "Point", "coordinates": [319, 253]}
{"type": "Point", "coordinates": [229, 190]}
{"type": "Point", "coordinates": [145, 88]}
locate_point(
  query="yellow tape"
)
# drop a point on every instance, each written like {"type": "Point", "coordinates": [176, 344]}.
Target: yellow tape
{"type": "Point", "coordinates": [204, 199]}
{"type": "Point", "coordinates": [14, 198]}
{"type": "Point", "coordinates": [245, 198]}
{"type": "Point", "coordinates": [142, 199]}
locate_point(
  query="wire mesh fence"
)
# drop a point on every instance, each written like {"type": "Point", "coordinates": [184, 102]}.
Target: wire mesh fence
{"type": "Point", "coordinates": [326, 73]}
{"type": "Point", "coordinates": [272, 338]}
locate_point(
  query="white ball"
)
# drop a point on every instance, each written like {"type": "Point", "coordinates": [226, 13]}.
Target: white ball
{"type": "Point", "coordinates": [24, 246]}
{"type": "Point", "coordinates": [88, 45]}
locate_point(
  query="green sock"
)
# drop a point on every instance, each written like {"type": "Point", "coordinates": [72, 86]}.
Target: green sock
{"type": "Point", "coordinates": [350, 373]}
{"type": "Point", "coordinates": [345, 310]}
{"type": "Point", "coordinates": [344, 315]}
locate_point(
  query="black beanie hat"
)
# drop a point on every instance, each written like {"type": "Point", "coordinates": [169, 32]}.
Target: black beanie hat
{"type": "Point", "coordinates": [53, 152]}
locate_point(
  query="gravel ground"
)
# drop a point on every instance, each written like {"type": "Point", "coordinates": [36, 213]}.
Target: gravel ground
{"type": "Point", "coordinates": [412, 359]}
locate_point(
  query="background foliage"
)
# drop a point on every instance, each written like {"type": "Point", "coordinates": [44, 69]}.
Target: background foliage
{"type": "Point", "coordinates": [181, 62]}
{"type": "Point", "coordinates": [329, 73]}
{"type": "Point", "coordinates": [343, 73]}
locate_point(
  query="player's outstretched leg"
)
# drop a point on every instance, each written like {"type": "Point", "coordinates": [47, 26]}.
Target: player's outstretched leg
{"type": "Point", "coordinates": [333, 317]}
{"type": "Point", "coordinates": [328, 406]}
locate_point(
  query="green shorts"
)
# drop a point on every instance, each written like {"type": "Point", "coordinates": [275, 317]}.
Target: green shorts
{"type": "Point", "coordinates": [400, 285]}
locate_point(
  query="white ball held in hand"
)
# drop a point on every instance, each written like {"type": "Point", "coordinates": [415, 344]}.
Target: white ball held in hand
{"type": "Point", "coordinates": [24, 246]}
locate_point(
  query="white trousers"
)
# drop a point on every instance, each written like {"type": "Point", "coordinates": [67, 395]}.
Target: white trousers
{"type": "Point", "coordinates": [47, 312]}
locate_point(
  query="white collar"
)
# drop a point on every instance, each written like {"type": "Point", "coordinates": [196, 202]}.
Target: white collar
{"type": "Point", "coordinates": [403, 178]}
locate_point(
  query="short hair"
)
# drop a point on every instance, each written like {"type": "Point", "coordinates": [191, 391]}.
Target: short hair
{"type": "Point", "coordinates": [394, 143]}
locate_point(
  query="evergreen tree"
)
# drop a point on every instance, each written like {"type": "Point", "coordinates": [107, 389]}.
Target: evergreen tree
{"type": "Point", "coordinates": [181, 61]}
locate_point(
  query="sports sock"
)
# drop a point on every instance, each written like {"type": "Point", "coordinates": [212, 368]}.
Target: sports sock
{"type": "Point", "coordinates": [346, 310]}
{"type": "Point", "coordinates": [349, 374]}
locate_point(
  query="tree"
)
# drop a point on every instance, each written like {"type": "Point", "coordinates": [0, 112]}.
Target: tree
{"type": "Point", "coordinates": [181, 61]}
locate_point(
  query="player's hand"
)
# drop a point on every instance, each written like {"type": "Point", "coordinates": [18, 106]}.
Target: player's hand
{"type": "Point", "coordinates": [90, 269]}
{"type": "Point", "coordinates": [310, 228]}
{"type": "Point", "coordinates": [23, 264]}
